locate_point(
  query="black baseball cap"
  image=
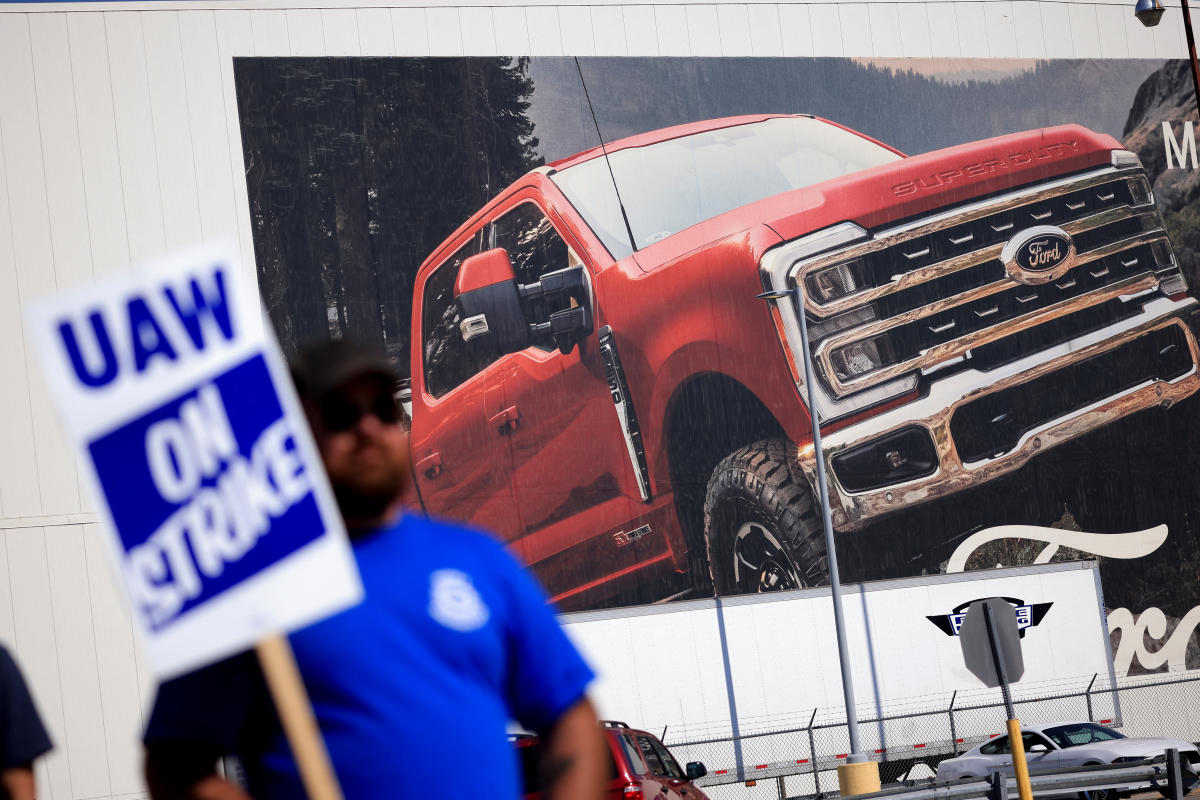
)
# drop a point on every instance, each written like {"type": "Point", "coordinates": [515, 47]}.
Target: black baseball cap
{"type": "Point", "coordinates": [322, 367]}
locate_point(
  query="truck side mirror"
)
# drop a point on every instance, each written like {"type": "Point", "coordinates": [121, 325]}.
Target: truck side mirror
{"type": "Point", "coordinates": [489, 304]}
{"type": "Point", "coordinates": [696, 770]}
{"type": "Point", "coordinates": [568, 292]}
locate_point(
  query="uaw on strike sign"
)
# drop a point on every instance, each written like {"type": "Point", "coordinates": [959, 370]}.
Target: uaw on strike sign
{"type": "Point", "coordinates": [223, 527]}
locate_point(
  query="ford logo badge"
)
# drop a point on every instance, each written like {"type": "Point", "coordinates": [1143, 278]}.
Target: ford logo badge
{"type": "Point", "coordinates": [1038, 255]}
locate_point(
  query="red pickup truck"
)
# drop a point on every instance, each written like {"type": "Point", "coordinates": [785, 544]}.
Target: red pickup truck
{"type": "Point", "coordinates": [640, 767]}
{"type": "Point", "coordinates": [606, 364]}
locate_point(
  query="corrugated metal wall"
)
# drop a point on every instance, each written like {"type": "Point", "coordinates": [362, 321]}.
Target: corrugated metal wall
{"type": "Point", "coordinates": [119, 139]}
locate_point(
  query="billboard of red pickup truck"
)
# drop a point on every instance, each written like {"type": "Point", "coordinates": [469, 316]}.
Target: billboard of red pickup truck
{"type": "Point", "coordinates": [605, 362]}
{"type": "Point", "coordinates": [597, 377]}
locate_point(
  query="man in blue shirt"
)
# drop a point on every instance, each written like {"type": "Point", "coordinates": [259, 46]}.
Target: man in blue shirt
{"type": "Point", "coordinates": [413, 688]}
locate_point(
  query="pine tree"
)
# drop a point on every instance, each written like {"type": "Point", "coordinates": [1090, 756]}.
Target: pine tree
{"type": "Point", "coordinates": [358, 168]}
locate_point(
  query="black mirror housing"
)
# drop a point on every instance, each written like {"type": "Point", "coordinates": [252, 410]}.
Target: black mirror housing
{"type": "Point", "coordinates": [568, 291]}
{"type": "Point", "coordinates": [493, 308]}
{"type": "Point", "coordinates": [489, 304]}
{"type": "Point", "coordinates": [696, 770]}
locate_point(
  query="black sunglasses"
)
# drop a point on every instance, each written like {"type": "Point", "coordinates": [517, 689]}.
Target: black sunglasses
{"type": "Point", "coordinates": [341, 413]}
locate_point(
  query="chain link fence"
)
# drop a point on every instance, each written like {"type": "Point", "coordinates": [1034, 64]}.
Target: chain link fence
{"type": "Point", "coordinates": [909, 738]}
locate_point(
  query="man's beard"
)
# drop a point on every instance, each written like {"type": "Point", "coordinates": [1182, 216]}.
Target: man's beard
{"type": "Point", "coordinates": [362, 501]}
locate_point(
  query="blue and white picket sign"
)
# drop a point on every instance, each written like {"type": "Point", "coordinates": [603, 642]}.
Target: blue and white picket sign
{"type": "Point", "coordinates": [222, 524]}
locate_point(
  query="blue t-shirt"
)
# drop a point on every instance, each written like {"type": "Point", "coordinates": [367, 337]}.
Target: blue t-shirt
{"type": "Point", "coordinates": [412, 688]}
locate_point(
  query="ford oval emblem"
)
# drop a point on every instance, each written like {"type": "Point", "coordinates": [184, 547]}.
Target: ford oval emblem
{"type": "Point", "coordinates": [1038, 255]}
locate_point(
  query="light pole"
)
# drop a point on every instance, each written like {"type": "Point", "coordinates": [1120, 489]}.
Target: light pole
{"type": "Point", "coordinates": [859, 775]}
{"type": "Point", "coordinates": [1149, 12]}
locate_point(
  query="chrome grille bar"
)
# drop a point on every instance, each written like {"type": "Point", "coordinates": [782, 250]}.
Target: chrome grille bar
{"type": "Point", "coordinates": [940, 306]}
{"type": "Point", "coordinates": [952, 294]}
{"type": "Point", "coordinates": [961, 345]}
{"type": "Point", "coordinates": [974, 212]}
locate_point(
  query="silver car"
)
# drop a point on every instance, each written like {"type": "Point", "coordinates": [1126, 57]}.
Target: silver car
{"type": "Point", "coordinates": [1062, 745]}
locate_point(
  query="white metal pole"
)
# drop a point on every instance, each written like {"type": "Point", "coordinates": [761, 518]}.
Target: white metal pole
{"type": "Point", "coordinates": [856, 754]}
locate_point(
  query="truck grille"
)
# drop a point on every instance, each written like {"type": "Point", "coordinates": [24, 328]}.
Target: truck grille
{"type": "Point", "coordinates": [994, 424]}
{"type": "Point", "coordinates": [934, 291]}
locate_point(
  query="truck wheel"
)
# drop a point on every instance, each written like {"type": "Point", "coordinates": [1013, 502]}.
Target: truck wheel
{"type": "Point", "coordinates": [761, 527]}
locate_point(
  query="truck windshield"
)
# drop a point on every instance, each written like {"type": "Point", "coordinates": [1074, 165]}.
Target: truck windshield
{"type": "Point", "coordinates": [672, 185]}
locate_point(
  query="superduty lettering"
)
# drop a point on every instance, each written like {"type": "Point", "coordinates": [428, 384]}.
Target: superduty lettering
{"type": "Point", "coordinates": [987, 166]}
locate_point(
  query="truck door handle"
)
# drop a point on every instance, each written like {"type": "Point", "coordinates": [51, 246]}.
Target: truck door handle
{"type": "Point", "coordinates": [506, 421]}
{"type": "Point", "coordinates": [431, 465]}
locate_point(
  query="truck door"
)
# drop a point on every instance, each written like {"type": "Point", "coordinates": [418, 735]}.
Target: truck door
{"type": "Point", "coordinates": [571, 473]}
{"type": "Point", "coordinates": [665, 778]}
{"type": "Point", "coordinates": [460, 466]}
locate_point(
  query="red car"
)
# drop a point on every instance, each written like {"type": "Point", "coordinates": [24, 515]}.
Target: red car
{"type": "Point", "coordinates": [641, 767]}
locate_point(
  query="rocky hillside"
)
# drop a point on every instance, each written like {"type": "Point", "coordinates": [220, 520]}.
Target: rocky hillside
{"type": "Point", "coordinates": [1168, 95]}
{"type": "Point", "coordinates": [909, 110]}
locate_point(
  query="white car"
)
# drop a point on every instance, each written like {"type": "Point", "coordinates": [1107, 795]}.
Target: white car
{"type": "Point", "coordinates": [1062, 745]}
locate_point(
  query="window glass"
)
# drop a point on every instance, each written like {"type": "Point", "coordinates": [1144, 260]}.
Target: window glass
{"type": "Point", "coordinates": [534, 248]}
{"type": "Point", "coordinates": [1081, 733]}
{"type": "Point", "coordinates": [995, 747]}
{"type": "Point", "coordinates": [633, 755]}
{"type": "Point", "coordinates": [1032, 740]}
{"type": "Point", "coordinates": [672, 185]}
{"type": "Point", "coordinates": [448, 360]}
{"type": "Point", "coordinates": [651, 755]}
{"type": "Point", "coordinates": [669, 762]}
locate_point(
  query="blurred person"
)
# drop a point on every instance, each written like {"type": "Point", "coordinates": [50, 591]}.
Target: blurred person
{"type": "Point", "coordinates": [23, 738]}
{"type": "Point", "coordinates": [413, 689]}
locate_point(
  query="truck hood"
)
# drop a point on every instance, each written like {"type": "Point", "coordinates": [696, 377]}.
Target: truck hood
{"type": "Point", "coordinates": [903, 189]}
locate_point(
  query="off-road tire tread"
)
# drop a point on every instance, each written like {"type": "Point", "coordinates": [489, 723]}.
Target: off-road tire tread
{"type": "Point", "coordinates": [762, 480]}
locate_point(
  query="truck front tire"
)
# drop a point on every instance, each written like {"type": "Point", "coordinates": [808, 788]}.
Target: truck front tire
{"type": "Point", "coordinates": [761, 527]}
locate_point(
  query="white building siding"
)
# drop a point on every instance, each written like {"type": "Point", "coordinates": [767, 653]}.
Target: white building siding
{"type": "Point", "coordinates": [119, 139]}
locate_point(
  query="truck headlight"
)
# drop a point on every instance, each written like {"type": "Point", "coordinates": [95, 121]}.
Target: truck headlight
{"type": "Point", "coordinates": [861, 357]}
{"type": "Point", "coordinates": [1170, 279]}
{"type": "Point", "coordinates": [1164, 254]}
{"type": "Point", "coordinates": [1139, 191]}
{"type": "Point", "coordinates": [827, 327]}
{"type": "Point", "coordinates": [782, 268]}
{"type": "Point", "coordinates": [833, 283]}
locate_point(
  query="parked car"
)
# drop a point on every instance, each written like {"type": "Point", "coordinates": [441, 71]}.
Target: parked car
{"type": "Point", "coordinates": [641, 767]}
{"type": "Point", "coordinates": [1064, 745]}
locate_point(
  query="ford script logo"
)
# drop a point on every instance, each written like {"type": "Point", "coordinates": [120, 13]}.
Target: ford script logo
{"type": "Point", "coordinates": [1038, 255]}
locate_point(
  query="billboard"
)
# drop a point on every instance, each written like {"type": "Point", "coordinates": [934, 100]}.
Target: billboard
{"type": "Point", "coordinates": [992, 257]}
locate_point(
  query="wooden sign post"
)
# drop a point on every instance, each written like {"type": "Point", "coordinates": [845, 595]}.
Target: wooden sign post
{"type": "Point", "coordinates": [296, 715]}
